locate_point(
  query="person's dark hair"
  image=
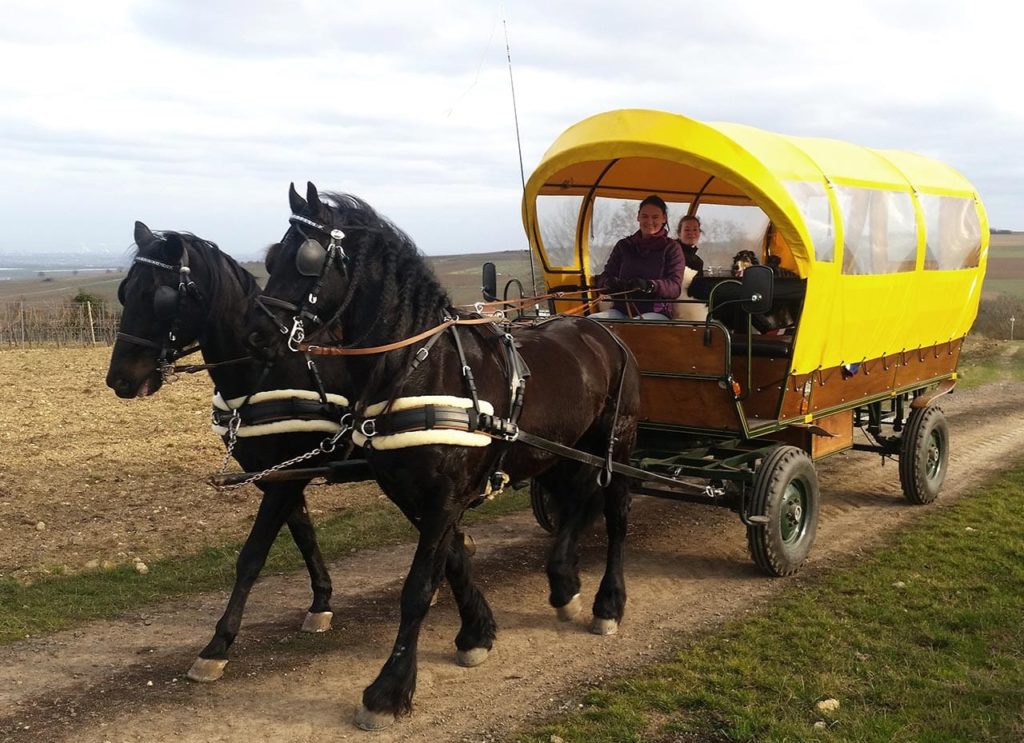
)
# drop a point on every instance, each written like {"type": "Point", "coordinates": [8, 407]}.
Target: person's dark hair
{"type": "Point", "coordinates": [688, 218]}
{"type": "Point", "coordinates": [656, 201]}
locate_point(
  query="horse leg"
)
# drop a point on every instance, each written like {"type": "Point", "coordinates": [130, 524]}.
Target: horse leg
{"type": "Point", "coordinates": [563, 562]}
{"type": "Point", "coordinates": [390, 695]}
{"type": "Point", "coordinates": [478, 630]}
{"type": "Point", "coordinates": [610, 601]}
{"type": "Point", "coordinates": [274, 509]}
{"type": "Point", "coordinates": [318, 618]}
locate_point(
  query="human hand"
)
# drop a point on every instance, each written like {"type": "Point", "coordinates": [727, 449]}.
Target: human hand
{"type": "Point", "coordinates": [614, 284]}
{"type": "Point", "coordinates": [639, 286]}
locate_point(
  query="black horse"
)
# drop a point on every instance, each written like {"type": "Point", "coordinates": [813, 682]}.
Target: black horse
{"type": "Point", "coordinates": [181, 290]}
{"type": "Point", "coordinates": [423, 411]}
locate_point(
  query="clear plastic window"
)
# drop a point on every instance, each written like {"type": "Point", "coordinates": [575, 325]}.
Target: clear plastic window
{"type": "Point", "coordinates": [953, 232]}
{"type": "Point", "coordinates": [879, 230]}
{"type": "Point", "coordinates": [726, 230]}
{"type": "Point", "coordinates": [614, 219]}
{"type": "Point", "coordinates": [812, 202]}
{"type": "Point", "coordinates": [557, 217]}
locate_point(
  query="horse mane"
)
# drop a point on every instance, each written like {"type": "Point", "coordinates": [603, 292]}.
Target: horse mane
{"type": "Point", "coordinates": [394, 293]}
{"type": "Point", "coordinates": [406, 295]}
{"type": "Point", "coordinates": [216, 262]}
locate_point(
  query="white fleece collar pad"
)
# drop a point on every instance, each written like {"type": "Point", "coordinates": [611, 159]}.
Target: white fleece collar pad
{"type": "Point", "coordinates": [433, 436]}
{"type": "Point", "coordinates": [276, 427]}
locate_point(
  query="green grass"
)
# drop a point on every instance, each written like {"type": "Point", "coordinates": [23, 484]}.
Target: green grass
{"type": "Point", "coordinates": [923, 641]}
{"type": "Point", "coordinates": [59, 602]}
{"type": "Point", "coordinates": [984, 361]}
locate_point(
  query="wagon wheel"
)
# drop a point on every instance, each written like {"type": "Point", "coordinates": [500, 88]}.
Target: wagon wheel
{"type": "Point", "coordinates": [540, 500]}
{"type": "Point", "coordinates": [924, 454]}
{"type": "Point", "coordinates": [785, 490]}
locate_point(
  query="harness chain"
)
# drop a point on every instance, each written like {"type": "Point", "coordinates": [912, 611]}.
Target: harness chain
{"type": "Point", "coordinates": [326, 446]}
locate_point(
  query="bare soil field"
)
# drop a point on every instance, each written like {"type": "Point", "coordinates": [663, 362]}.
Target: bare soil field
{"type": "Point", "coordinates": [112, 480]}
{"type": "Point", "coordinates": [89, 479]}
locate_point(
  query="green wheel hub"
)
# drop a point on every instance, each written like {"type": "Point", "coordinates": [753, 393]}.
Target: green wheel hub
{"type": "Point", "coordinates": [793, 512]}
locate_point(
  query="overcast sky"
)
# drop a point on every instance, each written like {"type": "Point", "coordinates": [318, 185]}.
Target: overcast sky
{"type": "Point", "coordinates": [197, 115]}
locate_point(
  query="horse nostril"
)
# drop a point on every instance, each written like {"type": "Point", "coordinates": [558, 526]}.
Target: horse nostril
{"type": "Point", "coordinates": [256, 340]}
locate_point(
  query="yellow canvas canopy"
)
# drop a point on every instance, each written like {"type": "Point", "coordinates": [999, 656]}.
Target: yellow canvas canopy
{"type": "Point", "coordinates": [893, 245]}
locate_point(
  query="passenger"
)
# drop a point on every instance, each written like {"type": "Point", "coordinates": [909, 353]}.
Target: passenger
{"type": "Point", "coordinates": [648, 264]}
{"type": "Point", "coordinates": [688, 231]}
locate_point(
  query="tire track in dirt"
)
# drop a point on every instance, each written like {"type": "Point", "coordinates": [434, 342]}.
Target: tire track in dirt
{"type": "Point", "coordinates": [687, 569]}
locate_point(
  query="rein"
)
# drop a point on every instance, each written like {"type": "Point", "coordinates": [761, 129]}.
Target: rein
{"type": "Point", "coordinates": [370, 350]}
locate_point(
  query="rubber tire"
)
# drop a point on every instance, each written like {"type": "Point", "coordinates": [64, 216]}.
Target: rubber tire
{"type": "Point", "coordinates": [540, 501]}
{"type": "Point", "coordinates": [924, 454]}
{"type": "Point", "coordinates": [787, 473]}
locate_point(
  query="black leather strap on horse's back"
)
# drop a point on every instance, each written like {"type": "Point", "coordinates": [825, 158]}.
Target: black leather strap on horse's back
{"type": "Point", "coordinates": [605, 475]}
{"type": "Point", "coordinates": [467, 371]}
{"type": "Point", "coordinates": [516, 372]}
{"type": "Point", "coordinates": [314, 373]}
{"type": "Point", "coordinates": [272, 411]}
{"type": "Point", "coordinates": [426, 418]}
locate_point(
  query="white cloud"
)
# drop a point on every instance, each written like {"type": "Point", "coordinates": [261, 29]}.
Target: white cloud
{"type": "Point", "coordinates": [197, 116]}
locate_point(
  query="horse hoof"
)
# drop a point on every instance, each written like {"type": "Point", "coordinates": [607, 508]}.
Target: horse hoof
{"type": "Point", "coordinates": [317, 621]}
{"type": "Point", "coordinates": [601, 626]}
{"type": "Point", "coordinates": [367, 720]}
{"type": "Point", "coordinates": [470, 544]}
{"type": "Point", "coordinates": [472, 657]}
{"type": "Point", "coordinates": [571, 610]}
{"type": "Point", "coordinates": [205, 670]}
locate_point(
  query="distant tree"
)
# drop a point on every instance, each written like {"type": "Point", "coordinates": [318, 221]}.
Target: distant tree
{"type": "Point", "coordinates": [84, 297]}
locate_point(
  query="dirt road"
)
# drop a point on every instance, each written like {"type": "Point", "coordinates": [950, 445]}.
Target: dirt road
{"type": "Point", "coordinates": [687, 568]}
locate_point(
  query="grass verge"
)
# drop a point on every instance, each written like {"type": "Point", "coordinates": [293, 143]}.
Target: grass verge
{"type": "Point", "coordinates": [984, 361]}
{"type": "Point", "coordinates": [923, 641]}
{"type": "Point", "coordinates": [58, 602]}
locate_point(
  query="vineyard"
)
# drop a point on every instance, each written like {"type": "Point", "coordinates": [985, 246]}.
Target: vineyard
{"type": "Point", "coordinates": [25, 324]}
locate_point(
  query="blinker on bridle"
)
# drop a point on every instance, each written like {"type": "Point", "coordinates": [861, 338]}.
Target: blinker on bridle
{"type": "Point", "coordinates": [311, 259]}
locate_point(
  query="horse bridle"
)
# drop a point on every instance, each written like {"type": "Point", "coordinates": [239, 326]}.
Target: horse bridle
{"type": "Point", "coordinates": [167, 302]}
{"type": "Point", "coordinates": [311, 259]}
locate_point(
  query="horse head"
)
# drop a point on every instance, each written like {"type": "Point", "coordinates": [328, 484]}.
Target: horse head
{"type": "Point", "coordinates": [164, 309]}
{"type": "Point", "coordinates": [338, 273]}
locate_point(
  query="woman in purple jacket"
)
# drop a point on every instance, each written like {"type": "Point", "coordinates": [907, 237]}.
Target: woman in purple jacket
{"type": "Point", "coordinates": [648, 264]}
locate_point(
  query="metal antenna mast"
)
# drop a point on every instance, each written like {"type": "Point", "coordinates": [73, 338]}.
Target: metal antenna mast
{"type": "Point", "coordinates": [519, 144]}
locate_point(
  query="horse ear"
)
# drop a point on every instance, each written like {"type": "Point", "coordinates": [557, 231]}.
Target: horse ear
{"type": "Point", "coordinates": [143, 234]}
{"type": "Point", "coordinates": [295, 201]}
{"type": "Point", "coordinates": [312, 197]}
